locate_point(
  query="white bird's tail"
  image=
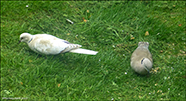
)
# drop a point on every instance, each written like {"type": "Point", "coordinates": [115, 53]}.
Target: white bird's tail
{"type": "Point", "coordinates": [84, 51]}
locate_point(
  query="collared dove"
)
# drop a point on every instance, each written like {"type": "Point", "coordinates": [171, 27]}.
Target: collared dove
{"type": "Point", "coordinates": [51, 45]}
{"type": "Point", "coordinates": [141, 59]}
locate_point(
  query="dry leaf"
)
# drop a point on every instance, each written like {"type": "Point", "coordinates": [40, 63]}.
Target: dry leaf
{"type": "Point", "coordinates": [30, 60]}
{"type": "Point", "coordinates": [140, 96]}
{"type": "Point", "coordinates": [89, 16]}
{"type": "Point", "coordinates": [180, 25]}
{"type": "Point", "coordinates": [159, 91]}
{"type": "Point", "coordinates": [59, 85]}
{"type": "Point", "coordinates": [131, 37]}
{"type": "Point", "coordinates": [21, 83]}
{"type": "Point", "coordinates": [85, 20]}
{"type": "Point", "coordinates": [146, 33]}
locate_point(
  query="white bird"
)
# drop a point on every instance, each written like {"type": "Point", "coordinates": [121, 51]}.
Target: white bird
{"type": "Point", "coordinates": [141, 59]}
{"type": "Point", "coordinates": [51, 45]}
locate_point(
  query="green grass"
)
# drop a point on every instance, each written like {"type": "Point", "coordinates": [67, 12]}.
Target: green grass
{"type": "Point", "coordinates": [109, 27]}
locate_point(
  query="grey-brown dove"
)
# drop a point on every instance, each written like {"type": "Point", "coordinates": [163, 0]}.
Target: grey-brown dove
{"type": "Point", "coordinates": [141, 59]}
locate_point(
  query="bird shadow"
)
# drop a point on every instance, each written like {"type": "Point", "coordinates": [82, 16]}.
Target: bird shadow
{"type": "Point", "coordinates": [139, 75]}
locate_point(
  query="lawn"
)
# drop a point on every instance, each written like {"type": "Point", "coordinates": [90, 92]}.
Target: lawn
{"type": "Point", "coordinates": [113, 28]}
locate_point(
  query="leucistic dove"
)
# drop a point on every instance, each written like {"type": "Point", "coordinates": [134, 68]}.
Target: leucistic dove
{"type": "Point", "coordinates": [50, 45]}
{"type": "Point", "coordinates": [141, 59]}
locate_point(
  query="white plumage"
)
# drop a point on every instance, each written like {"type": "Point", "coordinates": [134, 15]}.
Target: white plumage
{"type": "Point", "coordinates": [51, 45]}
{"type": "Point", "coordinates": [141, 59]}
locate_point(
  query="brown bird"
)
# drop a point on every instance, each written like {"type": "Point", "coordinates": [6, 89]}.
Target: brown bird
{"type": "Point", "coordinates": [141, 59]}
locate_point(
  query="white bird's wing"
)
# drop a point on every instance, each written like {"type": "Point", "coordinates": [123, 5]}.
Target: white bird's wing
{"type": "Point", "coordinates": [47, 44]}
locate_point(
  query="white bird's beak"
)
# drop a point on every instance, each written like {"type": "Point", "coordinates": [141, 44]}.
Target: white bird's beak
{"type": "Point", "coordinates": [19, 41]}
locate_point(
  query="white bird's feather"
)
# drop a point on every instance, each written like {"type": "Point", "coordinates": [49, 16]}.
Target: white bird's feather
{"type": "Point", "coordinates": [83, 51]}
